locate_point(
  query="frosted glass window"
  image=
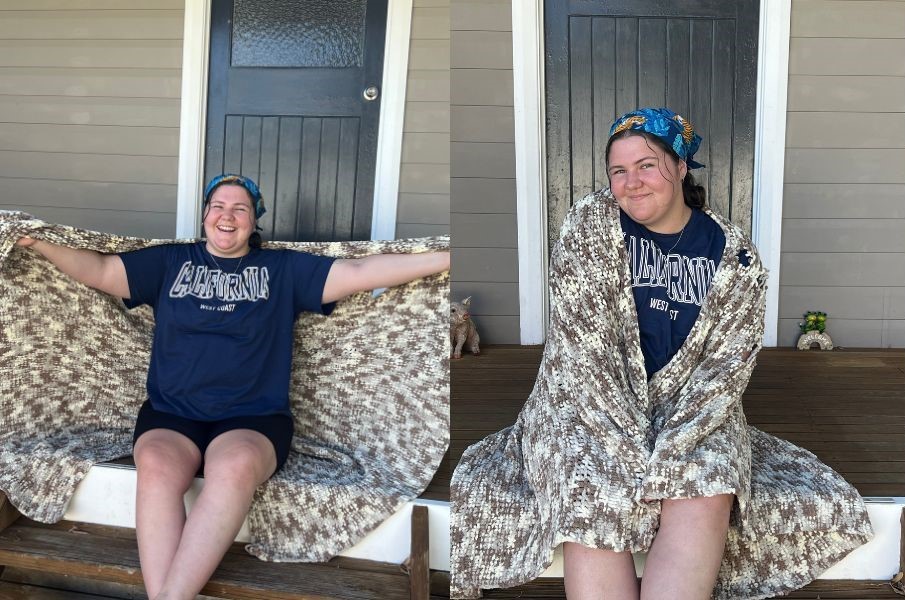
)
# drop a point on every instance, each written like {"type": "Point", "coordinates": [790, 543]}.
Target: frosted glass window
{"type": "Point", "coordinates": [289, 33]}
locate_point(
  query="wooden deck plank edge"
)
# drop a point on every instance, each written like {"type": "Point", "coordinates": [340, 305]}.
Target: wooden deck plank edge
{"type": "Point", "coordinates": [114, 559]}
{"type": "Point", "coordinates": [8, 512]}
{"type": "Point", "coordinates": [419, 558]}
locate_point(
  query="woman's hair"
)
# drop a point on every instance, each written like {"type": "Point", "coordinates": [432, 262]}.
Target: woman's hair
{"type": "Point", "coordinates": [694, 194]}
{"type": "Point", "coordinates": [254, 240]}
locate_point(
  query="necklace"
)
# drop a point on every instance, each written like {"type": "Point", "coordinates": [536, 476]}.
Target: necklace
{"type": "Point", "coordinates": [221, 268]}
{"type": "Point", "coordinates": [681, 233]}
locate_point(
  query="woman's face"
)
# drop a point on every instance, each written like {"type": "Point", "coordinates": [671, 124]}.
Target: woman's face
{"type": "Point", "coordinates": [229, 222]}
{"type": "Point", "coordinates": [647, 183]}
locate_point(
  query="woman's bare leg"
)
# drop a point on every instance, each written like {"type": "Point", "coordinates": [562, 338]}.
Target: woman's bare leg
{"type": "Point", "coordinates": [594, 574]}
{"type": "Point", "coordinates": [685, 557]}
{"type": "Point", "coordinates": [235, 464]}
{"type": "Point", "coordinates": [166, 462]}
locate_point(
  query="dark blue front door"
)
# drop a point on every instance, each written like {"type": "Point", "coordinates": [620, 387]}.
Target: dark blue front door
{"type": "Point", "coordinates": [603, 59]}
{"type": "Point", "coordinates": [293, 102]}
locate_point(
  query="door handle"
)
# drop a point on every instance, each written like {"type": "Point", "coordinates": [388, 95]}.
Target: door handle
{"type": "Point", "coordinates": [370, 93]}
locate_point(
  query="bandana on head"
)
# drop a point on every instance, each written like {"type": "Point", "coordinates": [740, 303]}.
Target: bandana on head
{"type": "Point", "coordinates": [675, 130]}
{"type": "Point", "coordinates": [246, 182]}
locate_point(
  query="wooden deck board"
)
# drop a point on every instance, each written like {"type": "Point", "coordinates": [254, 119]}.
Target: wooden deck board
{"type": "Point", "coordinates": [850, 590]}
{"type": "Point", "coordinates": [21, 591]}
{"type": "Point", "coordinates": [438, 488]}
{"type": "Point", "coordinates": [552, 589]}
{"type": "Point", "coordinates": [110, 554]}
{"type": "Point", "coordinates": [845, 406]}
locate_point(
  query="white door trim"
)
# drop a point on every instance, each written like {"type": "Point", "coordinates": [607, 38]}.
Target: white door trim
{"type": "Point", "coordinates": [392, 116]}
{"type": "Point", "coordinates": [530, 167]}
{"type": "Point", "coordinates": [770, 148]}
{"type": "Point", "coordinates": [192, 116]}
{"type": "Point", "coordinates": [193, 110]}
{"type": "Point", "coordinates": [530, 132]}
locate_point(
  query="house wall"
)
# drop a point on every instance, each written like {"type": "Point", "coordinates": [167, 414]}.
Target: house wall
{"type": "Point", "coordinates": [424, 177]}
{"type": "Point", "coordinates": [483, 212]}
{"type": "Point", "coordinates": [89, 98]}
{"type": "Point", "coordinates": [90, 95]}
{"type": "Point", "coordinates": [843, 238]}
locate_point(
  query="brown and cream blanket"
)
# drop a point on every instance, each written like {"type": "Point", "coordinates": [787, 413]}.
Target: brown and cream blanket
{"type": "Point", "coordinates": [370, 393]}
{"type": "Point", "coordinates": [597, 446]}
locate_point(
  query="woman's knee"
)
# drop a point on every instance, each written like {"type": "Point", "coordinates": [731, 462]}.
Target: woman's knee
{"type": "Point", "coordinates": [589, 572]}
{"type": "Point", "coordinates": [579, 550]}
{"type": "Point", "coordinates": [166, 457]}
{"type": "Point", "coordinates": [240, 460]}
{"type": "Point", "coordinates": [578, 554]}
{"type": "Point", "coordinates": [704, 509]}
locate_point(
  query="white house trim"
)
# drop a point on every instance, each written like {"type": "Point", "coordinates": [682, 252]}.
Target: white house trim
{"type": "Point", "coordinates": [193, 109]}
{"type": "Point", "coordinates": [770, 148]}
{"type": "Point", "coordinates": [192, 116]}
{"type": "Point", "coordinates": [530, 167]}
{"type": "Point", "coordinates": [530, 132]}
{"type": "Point", "coordinates": [392, 116]}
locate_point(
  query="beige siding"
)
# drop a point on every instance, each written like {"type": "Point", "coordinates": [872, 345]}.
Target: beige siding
{"type": "Point", "coordinates": [843, 248]}
{"type": "Point", "coordinates": [89, 93]}
{"type": "Point", "coordinates": [424, 179]}
{"type": "Point", "coordinates": [483, 212]}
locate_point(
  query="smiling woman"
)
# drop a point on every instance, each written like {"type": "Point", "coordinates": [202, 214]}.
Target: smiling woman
{"type": "Point", "coordinates": [230, 214]}
{"type": "Point", "coordinates": [674, 249]}
{"type": "Point", "coordinates": [634, 438]}
{"type": "Point", "coordinates": [219, 374]}
{"type": "Point", "coordinates": [647, 184]}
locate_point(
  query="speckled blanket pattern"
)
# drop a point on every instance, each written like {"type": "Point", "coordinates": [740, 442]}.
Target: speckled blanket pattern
{"type": "Point", "coordinates": [597, 447]}
{"type": "Point", "coordinates": [369, 392]}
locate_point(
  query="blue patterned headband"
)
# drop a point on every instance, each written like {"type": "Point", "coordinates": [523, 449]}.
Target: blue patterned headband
{"type": "Point", "coordinates": [246, 182]}
{"type": "Point", "coordinates": [676, 131]}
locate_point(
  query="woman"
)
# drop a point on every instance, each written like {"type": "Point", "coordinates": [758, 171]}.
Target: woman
{"type": "Point", "coordinates": [660, 206]}
{"type": "Point", "coordinates": [634, 438]}
{"type": "Point", "coordinates": [220, 364]}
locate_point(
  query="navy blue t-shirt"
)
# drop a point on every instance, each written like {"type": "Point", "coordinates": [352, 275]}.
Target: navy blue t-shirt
{"type": "Point", "coordinates": [669, 284]}
{"type": "Point", "coordinates": [223, 338]}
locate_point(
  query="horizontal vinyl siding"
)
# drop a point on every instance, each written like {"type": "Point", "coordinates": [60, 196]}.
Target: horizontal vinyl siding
{"type": "Point", "coordinates": [89, 112]}
{"type": "Point", "coordinates": [483, 212]}
{"type": "Point", "coordinates": [424, 179]}
{"type": "Point", "coordinates": [843, 240]}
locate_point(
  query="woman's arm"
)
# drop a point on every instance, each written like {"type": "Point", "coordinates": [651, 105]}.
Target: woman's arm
{"type": "Point", "coordinates": [104, 272]}
{"type": "Point", "coordinates": [349, 276]}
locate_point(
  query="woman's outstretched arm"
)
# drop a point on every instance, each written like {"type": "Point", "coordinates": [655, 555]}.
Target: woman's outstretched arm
{"type": "Point", "coordinates": [349, 276]}
{"type": "Point", "coordinates": [104, 272]}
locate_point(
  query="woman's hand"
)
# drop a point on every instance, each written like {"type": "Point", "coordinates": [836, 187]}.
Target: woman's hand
{"type": "Point", "coordinates": [26, 242]}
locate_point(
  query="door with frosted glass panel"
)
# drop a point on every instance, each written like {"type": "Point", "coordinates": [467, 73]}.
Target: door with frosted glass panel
{"type": "Point", "coordinates": [293, 102]}
{"type": "Point", "coordinates": [603, 59]}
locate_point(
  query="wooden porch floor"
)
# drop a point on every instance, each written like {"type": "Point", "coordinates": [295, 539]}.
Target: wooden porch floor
{"type": "Point", "coordinates": [846, 406]}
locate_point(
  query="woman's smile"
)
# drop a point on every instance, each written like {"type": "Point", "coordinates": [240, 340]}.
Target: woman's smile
{"type": "Point", "coordinates": [229, 222]}
{"type": "Point", "coordinates": [648, 184]}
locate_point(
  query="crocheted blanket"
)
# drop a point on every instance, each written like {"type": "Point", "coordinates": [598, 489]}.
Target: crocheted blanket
{"type": "Point", "coordinates": [597, 446]}
{"type": "Point", "coordinates": [369, 393]}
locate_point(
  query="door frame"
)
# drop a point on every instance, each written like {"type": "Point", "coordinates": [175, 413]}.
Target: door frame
{"type": "Point", "coordinates": [530, 150]}
{"type": "Point", "coordinates": [193, 118]}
